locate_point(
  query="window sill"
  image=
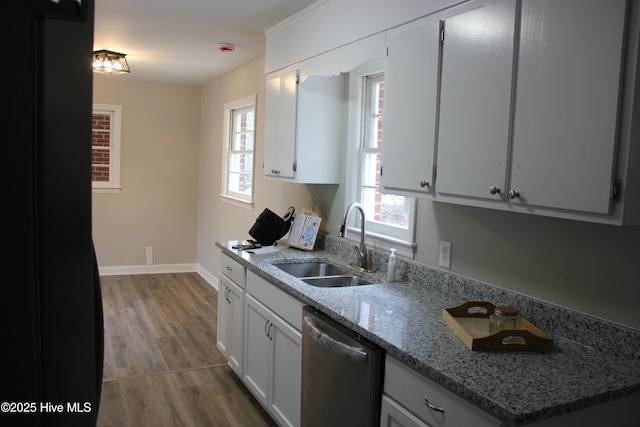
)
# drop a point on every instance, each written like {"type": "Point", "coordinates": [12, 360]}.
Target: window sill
{"type": "Point", "coordinates": [106, 190]}
{"type": "Point", "coordinates": [383, 242]}
{"type": "Point", "coordinates": [245, 204]}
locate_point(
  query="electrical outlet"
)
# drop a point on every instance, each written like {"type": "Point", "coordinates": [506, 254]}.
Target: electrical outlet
{"type": "Point", "coordinates": [149, 253]}
{"type": "Point", "coordinates": [445, 254]}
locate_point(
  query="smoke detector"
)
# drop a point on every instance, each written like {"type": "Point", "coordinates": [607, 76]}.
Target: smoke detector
{"type": "Point", "coordinates": [226, 47]}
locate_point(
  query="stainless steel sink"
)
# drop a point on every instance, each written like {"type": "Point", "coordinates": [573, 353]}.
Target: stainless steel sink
{"type": "Point", "coordinates": [322, 274]}
{"type": "Point", "coordinates": [337, 281]}
{"type": "Point", "coordinates": [311, 269]}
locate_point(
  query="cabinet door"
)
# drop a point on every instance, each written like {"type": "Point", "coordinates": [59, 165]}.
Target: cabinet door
{"type": "Point", "coordinates": [567, 103]}
{"type": "Point", "coordinates": [394, 415]}
{"type": "Point", "coordinates": [319, 130]}
{"type": "Point", "coordinates": [235, 337]}
{"type": "Point", "coordinates": [222, 335]}
{"type": "Point", "coordinates": [280, 124]}
{"type": "Point", "coordinates": [286, 373]}
{"type": "Point", "coordinates": [475, 100]}
{"type": "Point", "coordinates": [230, 330]}
{"type": "Point", "coordinates": [411, 98]}
{"type": "Point", "coordinates": [257, 349]}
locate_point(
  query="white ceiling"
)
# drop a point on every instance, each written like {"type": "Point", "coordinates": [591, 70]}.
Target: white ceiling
{"type": "Point", "coordinates": [177, 40]}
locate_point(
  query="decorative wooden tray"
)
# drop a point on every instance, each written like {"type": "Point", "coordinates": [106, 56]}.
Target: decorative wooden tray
{"type": "Point", "coordinates": [470, 321]}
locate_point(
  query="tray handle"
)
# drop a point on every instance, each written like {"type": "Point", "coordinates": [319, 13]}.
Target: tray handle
{"type": "Point", "coordinates": [473, 309]}
{"type": "Point", "coordinates": [515, 340]}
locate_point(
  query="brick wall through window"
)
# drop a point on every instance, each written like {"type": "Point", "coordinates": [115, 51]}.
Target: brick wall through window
{"type": "Point", "coordinates": [101, 147]}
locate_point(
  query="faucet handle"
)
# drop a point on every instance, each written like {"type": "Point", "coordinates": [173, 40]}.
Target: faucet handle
{"type": "Point", "coordinates": [359, 252]}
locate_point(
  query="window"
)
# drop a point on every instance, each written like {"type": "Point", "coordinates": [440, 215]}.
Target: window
{"type": "Point", "coordinates": [105, 148]}
{"type": "Point", "coordinates": [239, 137]}
{"type": "Point", "coordinates": [390, 218]}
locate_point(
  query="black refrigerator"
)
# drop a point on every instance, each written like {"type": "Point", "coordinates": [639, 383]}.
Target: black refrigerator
{"type": "Point", "coordinates": [50, 304]}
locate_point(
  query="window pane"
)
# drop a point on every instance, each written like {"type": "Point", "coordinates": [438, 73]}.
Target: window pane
{"type": "Point", "coordinates": [387, 210]}
{"type": "Point", "coordinates": [243, 120]}
{"type": "Point", "coordinates": [241, 162]}
{"type": "Point", "coordinates": [394, 210]}
{"type": "Point", "coordinates": [240, 183]}
{"type": "Point", "coordinates": [378, 97]}
{"type": "Point", "coordinates": [101, 126]}
{"type": "Point", "coordinates": [100, 173]}
{"type": "Point", "coordinates": [239, 148]}
{"type": "Point", "coordinates": [376, 132]}
{"type": "Point", "coordinates": [242, 141]}
{"type": "Point", "coordinates": [370, 169]}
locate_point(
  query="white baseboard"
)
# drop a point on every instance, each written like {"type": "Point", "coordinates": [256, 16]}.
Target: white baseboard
{"type": "Point", "coordinates": [147, 269]}
{"type": "Point", "coordinates": [208, 276]}
{"type": "Point", "coordinates": [161, 268]}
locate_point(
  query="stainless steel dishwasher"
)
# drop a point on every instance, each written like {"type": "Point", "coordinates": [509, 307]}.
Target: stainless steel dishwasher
{"type": "Point", "coordinates": [341, 374]}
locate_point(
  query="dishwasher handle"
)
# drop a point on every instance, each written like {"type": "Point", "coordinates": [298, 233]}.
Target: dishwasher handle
{"type": "Point", "coordinates": [353, 353]}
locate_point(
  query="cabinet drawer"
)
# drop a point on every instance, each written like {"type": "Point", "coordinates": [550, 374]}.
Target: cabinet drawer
{"type": "Point", "coordinates": [232, 269]}
{"type": "Point", "coordinates": [411, 389]}
{"type": "Point", "coordinates": [277, 300]}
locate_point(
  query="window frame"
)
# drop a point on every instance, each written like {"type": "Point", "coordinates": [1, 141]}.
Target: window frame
{"type": "Point", "coordinates": [378, 235]}
{"type": "Point", "coordinates": [113, 184]}
{"type": "Point", "coordinates": [230, 108]}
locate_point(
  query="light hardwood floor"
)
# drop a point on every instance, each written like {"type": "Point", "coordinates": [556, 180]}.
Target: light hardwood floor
{"type": "Point", "coordinates": [161, 364]}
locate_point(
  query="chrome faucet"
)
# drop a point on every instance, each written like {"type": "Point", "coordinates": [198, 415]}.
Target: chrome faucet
{"type": "Point", "coordinates": [363, 263]}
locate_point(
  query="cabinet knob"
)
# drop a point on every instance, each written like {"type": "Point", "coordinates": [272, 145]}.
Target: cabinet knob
{"type": "Point", "coordinates": [432, 406]}
{"type": "Point", "coordinates": [494, 190]}
{"type": "Point", "coordinates": [513, 194]}
{"type": "Point", "coordinates": [424, 183]}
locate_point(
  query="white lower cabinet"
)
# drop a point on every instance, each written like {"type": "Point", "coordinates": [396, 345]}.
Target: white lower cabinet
{"type": "Point", "coordinates": [230, 340]}
{"type": "Point", "coordinates": [411, 400]}
{"type": "Point", "coordinates": [230, 331]}
{"type": "Point", "coordinates": [273, 359]}
{"type": "Point", "coordinates": [392, 414]}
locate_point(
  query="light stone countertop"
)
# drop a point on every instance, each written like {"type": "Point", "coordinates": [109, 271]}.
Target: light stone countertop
{"type": "Point", "coordinates": [405, 318]}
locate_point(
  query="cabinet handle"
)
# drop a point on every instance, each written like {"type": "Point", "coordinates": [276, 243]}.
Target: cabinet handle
{"type": "Point", "coordinates": [267, 329]}
{"type": "Point", "coordinates": [275, 171]}
{"type": "Point", "coordinates": [494, 190]}
{"type": "Point", "coordinates": [431, 406]}
{"type": "Point", "coordinates": [226, 295]}
{"type": "Point", "coordinates": [513, 194]}
{"type": "Point", "coordinates": [229, 268]}
{"type": "Point", "coordinates": [424, 183]}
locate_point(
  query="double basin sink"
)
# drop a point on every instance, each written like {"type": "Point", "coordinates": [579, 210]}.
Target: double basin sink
{"type": "Point", "coordinates": [323, 274]}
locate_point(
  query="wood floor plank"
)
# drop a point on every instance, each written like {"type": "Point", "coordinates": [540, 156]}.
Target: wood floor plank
{"type": "Point", "coordinates": [162, 367]}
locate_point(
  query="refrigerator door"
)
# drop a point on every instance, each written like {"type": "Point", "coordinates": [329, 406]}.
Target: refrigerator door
{"type": "Point", "coordinates": [341, 374]}
{"type": "Point", "coordinates": [51, 316]}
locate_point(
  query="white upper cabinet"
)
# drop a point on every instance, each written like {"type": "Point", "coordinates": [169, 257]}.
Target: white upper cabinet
{"type": "Point", "coordinates": [410, 102]}
{"type": "Point", "coordinates": [475, 101]}
{"type": "Point", "coordinates": [531, 116]}
{"type": "Point", "coordinates": [280, 124]}
{"type": "Point", "coordinates": [567, 98]}
{"type": "Point", "coordinates": [303, 127]}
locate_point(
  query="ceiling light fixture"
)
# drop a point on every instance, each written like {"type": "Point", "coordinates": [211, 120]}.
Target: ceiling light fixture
{"type": "Point", "coordinates": [226, 47]}
{"type": "Point", "coordinates": [108, 62]}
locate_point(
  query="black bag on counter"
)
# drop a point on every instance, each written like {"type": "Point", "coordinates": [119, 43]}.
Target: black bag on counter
{"type": "Point", "coordinates": [269, 227]}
